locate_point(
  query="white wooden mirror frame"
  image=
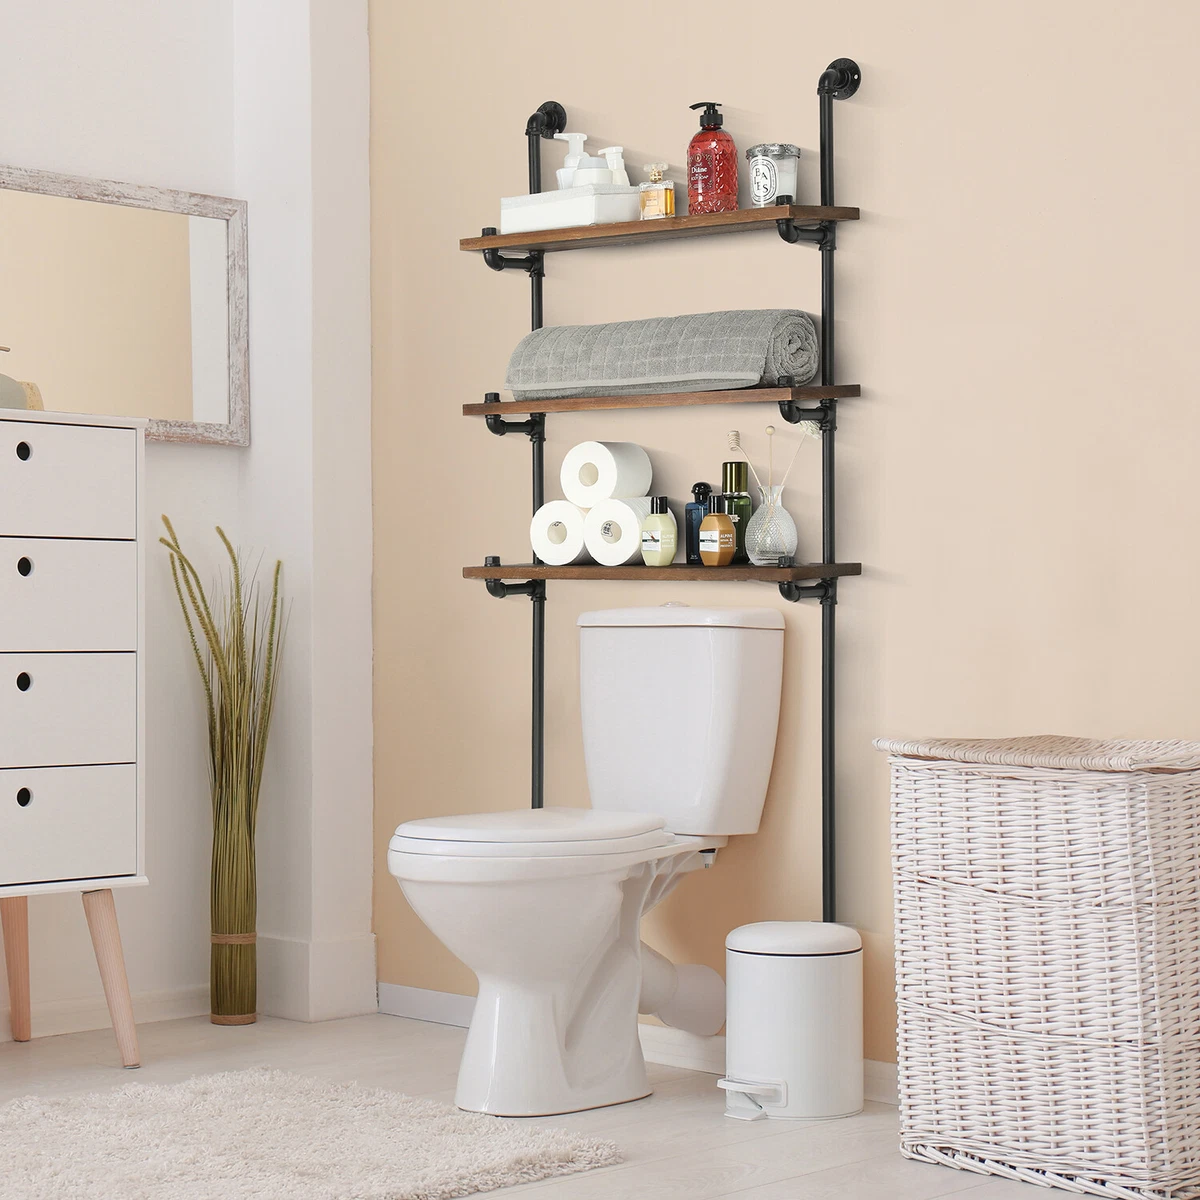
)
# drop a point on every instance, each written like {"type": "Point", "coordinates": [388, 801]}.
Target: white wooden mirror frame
{"type": "Point", "coordinates": [236, 432]}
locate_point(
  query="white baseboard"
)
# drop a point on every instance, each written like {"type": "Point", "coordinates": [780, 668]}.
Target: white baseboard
{"type": "Point", "coordinates": [660, 1043]}
{"type": "Point", "coordinates": [879, 1082]}
{"type": "Point", "coordinates": [421, 1004]}
{"type": "Point", "coordinates": [678, 1048]}
{"type": "Point", "coordinates": [52, 1017]}
{"type": "Point", "coordinates": [304, 980]}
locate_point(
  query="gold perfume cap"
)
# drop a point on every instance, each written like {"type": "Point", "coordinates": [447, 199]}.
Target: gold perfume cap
{"type": "Point", "coordinates": [656, 171]}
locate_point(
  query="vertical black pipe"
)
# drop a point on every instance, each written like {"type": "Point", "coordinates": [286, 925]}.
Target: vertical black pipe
{"type": "Point", "coordinates": [537, 772]}
{"type": "Point", "coordinates": [826, 143]}
{"type": "Point", "coordinates": [828, 548]}
{"type": "Point", "coordinates": [828, 746]}
{"type": "Point", "coordinates": [535, 160]}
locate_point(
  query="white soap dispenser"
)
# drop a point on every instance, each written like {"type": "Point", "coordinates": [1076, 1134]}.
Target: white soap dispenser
{"type": "Point", "coordinates": [574, 141]}
{"type": "Point", "coordinates": [615, 156]}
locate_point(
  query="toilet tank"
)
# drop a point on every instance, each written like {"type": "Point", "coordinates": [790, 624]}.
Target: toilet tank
{"type": "Point", "coordinates": [680, 709]}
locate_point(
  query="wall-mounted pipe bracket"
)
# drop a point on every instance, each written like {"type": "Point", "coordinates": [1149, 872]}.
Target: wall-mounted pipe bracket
{"type": "Point", "coordinates": [824, 590]}
{"type": "Point", "coordinates": [824, 415]}
{"type": "Point", "coordinates": [535, 589]}
{"type": "Point", "coordinates": [534, 426]}
{"type": "Point", "coordinates": [823, 234]}
{"type": "Point", "coordinates": [533, 262]}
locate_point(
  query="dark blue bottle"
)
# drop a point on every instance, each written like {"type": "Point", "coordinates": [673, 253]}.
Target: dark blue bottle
{"type": "Point", "coordinates": [692, 516]}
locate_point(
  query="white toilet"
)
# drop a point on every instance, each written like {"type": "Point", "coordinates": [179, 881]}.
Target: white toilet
{"type": "Point", "coordinates": [680, 708]}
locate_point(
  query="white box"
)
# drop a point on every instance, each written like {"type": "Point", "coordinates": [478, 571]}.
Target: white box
{"type": "Point", "coordinates": [591, 204]}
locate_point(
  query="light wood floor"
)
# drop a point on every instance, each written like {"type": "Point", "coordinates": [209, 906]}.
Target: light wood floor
{"type": "Point", "coordinates": [676, 1143]}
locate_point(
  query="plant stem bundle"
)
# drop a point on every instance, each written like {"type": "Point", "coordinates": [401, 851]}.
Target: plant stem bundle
{"type": "Point", "coordinates": [236, 643]}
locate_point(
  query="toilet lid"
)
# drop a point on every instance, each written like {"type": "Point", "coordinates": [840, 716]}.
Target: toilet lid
{"type": "Point", "coordinates": [532, 833]}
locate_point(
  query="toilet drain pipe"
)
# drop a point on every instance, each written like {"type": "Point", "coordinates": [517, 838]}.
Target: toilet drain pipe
{"type": "Point", "coordinates": [689, 997]}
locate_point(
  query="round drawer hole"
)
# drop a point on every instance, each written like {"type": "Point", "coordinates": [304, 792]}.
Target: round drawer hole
{"type": "Point", "coordinates": [24, 795]}
{"type": "Point", "coordinates": [23, 682]}
{"type": "Point", "coordinates": [24, 566]}
{"type": "Point", "coordinates": [24, 451]}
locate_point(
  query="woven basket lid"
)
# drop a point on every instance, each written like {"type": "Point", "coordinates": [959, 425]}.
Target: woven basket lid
{"type": "Point", "coordinates": [1049, 750]}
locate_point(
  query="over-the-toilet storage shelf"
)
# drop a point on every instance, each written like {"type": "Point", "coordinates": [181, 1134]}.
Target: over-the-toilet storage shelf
{"type": "Point", "coordinates": [813, 224]}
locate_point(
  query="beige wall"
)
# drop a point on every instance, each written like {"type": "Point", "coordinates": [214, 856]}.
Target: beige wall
{"type": "Point", "coordinates": [1018, 478]}
{"type": "Point", "coordinates": [96, 305]}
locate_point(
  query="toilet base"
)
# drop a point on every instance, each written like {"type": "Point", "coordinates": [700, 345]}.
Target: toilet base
{"type": "Point", "coordinates": [516, 1061]}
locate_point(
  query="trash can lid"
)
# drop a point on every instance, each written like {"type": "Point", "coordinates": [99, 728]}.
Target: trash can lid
{"type": "Point", "coordinates": [795, 938]}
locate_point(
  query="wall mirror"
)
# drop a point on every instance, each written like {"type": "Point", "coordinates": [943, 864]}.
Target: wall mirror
{"type": "Point", "coordinates": [124, 300]}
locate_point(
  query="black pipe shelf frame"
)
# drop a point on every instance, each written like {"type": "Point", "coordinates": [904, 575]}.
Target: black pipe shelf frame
{"type": "Point", "coordinates": [814, 225]}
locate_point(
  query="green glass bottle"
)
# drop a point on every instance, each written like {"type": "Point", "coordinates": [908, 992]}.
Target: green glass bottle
{"type": "Point", "coordinates": [739, 506]}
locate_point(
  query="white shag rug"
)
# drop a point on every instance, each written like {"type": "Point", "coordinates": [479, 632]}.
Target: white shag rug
{"type": "Point", "coordinates": [270, 1134]}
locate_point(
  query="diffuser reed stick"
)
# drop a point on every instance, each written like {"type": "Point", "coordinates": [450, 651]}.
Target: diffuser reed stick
{"type": "Point", "coordinates": [236, 644]}
{"type": "Point", "coordinates": [735, 447]}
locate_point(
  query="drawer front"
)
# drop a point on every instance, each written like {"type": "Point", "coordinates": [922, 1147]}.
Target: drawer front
{"type": "Point", "coordinates": [67, 595]}
{"type": "Point", "coordinates": [67, 481]}
{"type": "Point", "coordinates": [67, 709]}
{"type": "Point", "coordinates": [61, 823]}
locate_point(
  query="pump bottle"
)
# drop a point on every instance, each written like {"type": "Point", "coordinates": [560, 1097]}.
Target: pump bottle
{"type": "Point", "coordinates": [575, 142]}
{"type": "Point", "coordinates": [712, 164]}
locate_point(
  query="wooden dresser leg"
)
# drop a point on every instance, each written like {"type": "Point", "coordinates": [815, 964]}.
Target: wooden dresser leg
{"type": "Point", "coordinates": [14, 918]}
{"type": "Point", "coordinates": [106, 940]}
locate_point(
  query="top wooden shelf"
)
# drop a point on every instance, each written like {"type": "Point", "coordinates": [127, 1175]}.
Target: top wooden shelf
{"type": "Point", "coordinates": [629, 233]}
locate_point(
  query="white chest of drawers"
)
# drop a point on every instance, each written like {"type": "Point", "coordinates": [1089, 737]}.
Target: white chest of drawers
{"type": "Point", "coordinates": [72, 729]}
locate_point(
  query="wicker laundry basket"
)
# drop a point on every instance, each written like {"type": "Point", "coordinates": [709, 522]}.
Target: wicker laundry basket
{"type": "Point", "coordinates": [1048, 960]}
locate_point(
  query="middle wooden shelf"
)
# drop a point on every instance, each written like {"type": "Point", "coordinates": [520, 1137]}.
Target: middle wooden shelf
{"type": "Point", "coordinates": [758, 395]}
{"type": "Point", "coordinates": [677, 572]}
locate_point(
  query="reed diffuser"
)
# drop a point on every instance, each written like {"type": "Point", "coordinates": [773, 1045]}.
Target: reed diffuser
{"type": "Point", "coordinates": [237, 644]}
{"type": "Point", "coordinates": [771, 534]}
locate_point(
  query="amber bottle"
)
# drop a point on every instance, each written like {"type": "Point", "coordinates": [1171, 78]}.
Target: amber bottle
{"type": "Point", "coordinates": [718, 541]}
{"type": "Point", "coordinates": [712, 164]}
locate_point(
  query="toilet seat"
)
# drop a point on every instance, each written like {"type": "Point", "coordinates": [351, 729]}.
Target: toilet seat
{"type": "Point", "coordinates": [532, 833]}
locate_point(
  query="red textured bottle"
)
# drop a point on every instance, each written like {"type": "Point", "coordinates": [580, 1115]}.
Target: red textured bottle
{"type": "Point", "coordinates": [712, 164]}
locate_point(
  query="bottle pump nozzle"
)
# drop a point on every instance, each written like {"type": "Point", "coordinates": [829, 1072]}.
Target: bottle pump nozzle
{"type": "Point", "coordinates": [575, 143]}
{"type": "Point", "coordinates": [615, 156]}
{"type": "Point", "coordinates": [711, 117]}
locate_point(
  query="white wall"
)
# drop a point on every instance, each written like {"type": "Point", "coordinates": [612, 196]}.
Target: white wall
{"type": "Point", "coordinates": [217, 97]}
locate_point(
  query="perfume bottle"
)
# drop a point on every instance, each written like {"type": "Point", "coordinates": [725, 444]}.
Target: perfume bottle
{"type": "Point", "coordinates": [695, 512]}
{"type": "Point", "coordinates": [735, 484]}
{"type": "Point", "coordinates": [657, 197]}
{"type": "Point", "coordinates": [717, 538]}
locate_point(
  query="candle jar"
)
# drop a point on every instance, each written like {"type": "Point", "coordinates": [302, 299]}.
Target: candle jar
{"type": "Point", "coordinates": [772, 172]}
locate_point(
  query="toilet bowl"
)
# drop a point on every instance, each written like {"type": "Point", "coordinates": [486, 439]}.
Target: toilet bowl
{"type": "Point", "coordinates": [680, 708]}
{"type": "Point", "coordinates": [545, 906]}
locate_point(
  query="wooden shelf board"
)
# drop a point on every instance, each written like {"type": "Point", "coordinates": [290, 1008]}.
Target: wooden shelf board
{"type": "Point", "coordinates": [677, 573]}
{"type": "Point", "coordinates": [628, 233]}
{"type": "Point", "coordinates": [760, 395]}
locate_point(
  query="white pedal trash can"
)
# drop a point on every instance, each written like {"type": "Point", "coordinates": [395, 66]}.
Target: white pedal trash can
{"type": "Point", "coordinates": [793, 1033]}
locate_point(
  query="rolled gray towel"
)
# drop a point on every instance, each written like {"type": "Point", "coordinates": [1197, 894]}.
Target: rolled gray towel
{"type": "Point", "coordinates": [704, 352]}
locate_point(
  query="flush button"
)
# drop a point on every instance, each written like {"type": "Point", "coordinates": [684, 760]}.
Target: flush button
{"type": "Point", "coordinates": [23, 451]}
{"type": "Point", "coordinates": [23, 682]}
{"type": "Point", "coordinates": [24, 566]}
{"type": "Point", "coordinates": [24, 796]}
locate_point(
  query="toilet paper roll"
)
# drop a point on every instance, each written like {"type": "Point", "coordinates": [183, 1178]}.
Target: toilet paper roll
{"type": "Point", "coordinates": [613, 530]}
{"type": "Point", "coordinates": [595, 471]}
{"type": "Point", "coordinates": [556, 534]}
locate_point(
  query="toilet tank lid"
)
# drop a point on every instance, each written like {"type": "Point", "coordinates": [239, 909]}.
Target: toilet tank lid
{"type": "Point", "coordinates": [799, 939]}
{"type": "Point", "coordinates": [675, 613]}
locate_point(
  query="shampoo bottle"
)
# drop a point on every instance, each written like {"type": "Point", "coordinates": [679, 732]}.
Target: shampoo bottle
{"type": "Point", "coordinates": [717, 538]}
{"type": "Point", "coordinates": [659, 534]}
{"type": "Point", "coordinates": [712, 164]}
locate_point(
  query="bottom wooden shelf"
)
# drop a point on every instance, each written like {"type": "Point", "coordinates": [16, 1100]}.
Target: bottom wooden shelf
{"type": "Point", "coordinates": [678, 572]}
